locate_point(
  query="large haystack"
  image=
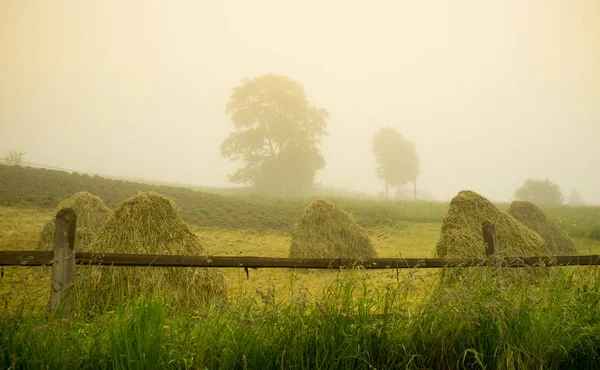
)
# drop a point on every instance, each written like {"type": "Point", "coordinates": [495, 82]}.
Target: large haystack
{"type": "Point", "coordinates": [147, 223]}
{"type": "Point", "coordinates": [91, 214]}
{"type": "Point", "coordinates": [150, 224]}
{"type": "Point", "coordinates": [556, 240]}
{"type": "Point", "coordinates": [326, 231]}
{"type": "Point", "coordinates": [461, 235]}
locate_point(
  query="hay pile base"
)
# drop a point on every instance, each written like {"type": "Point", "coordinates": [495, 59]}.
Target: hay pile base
{"type": "Point", "coordinates": [461, 235]}
{"type": "Point", "coordinates": [91, 213]}
{"type": "Point", "coordinates": [326, 231]}
{"type": "Point", "coordinates": [556, 240]}
{"type": "Point", "coordinates": [149, 224]}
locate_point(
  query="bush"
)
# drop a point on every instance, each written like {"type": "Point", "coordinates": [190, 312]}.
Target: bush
{"type": "Point", "coordinates": [540, 192]}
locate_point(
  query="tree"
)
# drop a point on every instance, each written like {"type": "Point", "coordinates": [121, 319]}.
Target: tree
{"type": "Point", "coordinates": [14, 158]}
{"type": "Point", "coordinates": [575, 198]}
{"type": "Point", "coordinates": [396, 157]}
{"type": "Point", "coordinates": [276, 135]}
{"type": "Point", "coordinates": [541, 192]}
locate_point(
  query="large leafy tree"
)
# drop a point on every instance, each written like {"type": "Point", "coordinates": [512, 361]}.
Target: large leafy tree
{"type": "Point", "coordinates": [541, 192]}
{"type": "Point", "coordinates": [276, 135]}
{"type": "Point", "coordinates": [396, 157]}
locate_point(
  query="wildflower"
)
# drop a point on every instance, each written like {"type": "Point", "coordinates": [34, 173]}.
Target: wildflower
{"type": "Point", "coordinates": [165, 326]}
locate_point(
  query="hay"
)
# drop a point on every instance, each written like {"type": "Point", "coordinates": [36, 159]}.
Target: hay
{"type": "Point", "coordinates": [91, 213]}
{"type": "Point", "coordinates": [147, 224]}
{"type": "Point", "coordinates": [556, 240]}
{"type": "Point", "coordinates": [326, 231]}
{"type": "Point", "coordinates": [461, 234]}
{"type": "Point", "coordinates": [150, 224]}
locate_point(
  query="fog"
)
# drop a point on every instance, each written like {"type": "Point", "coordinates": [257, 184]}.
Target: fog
{"type": "Point", "coordinates": [491, 92]}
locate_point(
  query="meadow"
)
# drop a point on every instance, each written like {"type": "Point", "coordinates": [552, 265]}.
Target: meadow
{"type": "Point", "coordinates": [293, 319]}
{"type": "Point", "coordinates": [278, 318]}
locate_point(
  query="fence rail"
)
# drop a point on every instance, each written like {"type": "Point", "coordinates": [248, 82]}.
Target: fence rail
{"type": "Point", "coordinates": [37, 258]}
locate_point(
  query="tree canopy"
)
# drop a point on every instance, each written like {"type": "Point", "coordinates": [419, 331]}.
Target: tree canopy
{"type": "Point", "coordinates": [396, 157]}
{"type": "Point", "coordinates": [541, 192]}
{"type": "Point", "coordinates": [276, 135]}
{"type": "Point", "coordinates": [15, 157]}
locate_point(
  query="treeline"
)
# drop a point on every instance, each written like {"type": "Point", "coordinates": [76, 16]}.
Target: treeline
{"type": "Point", "coordinates": [35, 187]}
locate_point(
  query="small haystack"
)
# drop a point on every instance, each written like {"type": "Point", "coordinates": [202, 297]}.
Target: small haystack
{"type": "Point", "coordinates": [461, 235]}
{"type": "Point", "coordinates": [91, 213]}
{"type": "Point", "coordinates": [150, 224]}
{"type": "Point", "coordinates": [556, 240]}
{"type": "Point", "coordinates": [326, 231]}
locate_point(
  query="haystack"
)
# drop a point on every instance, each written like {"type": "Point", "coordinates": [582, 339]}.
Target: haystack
{"type": "Point", "coordinates": [147, 224]}
{"type": "Point", "coordinates": [326, 231]}
{"type": "Point", "coordinates": [556, 240]}
{"type": "Point", "coordinates": [461, 234]}
{"type": "Point", "coordinates": [150, 224]}
{"type": "Point", "coordinates": [91, 214]}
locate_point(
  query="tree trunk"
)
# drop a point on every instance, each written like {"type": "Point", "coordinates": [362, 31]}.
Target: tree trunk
{"type": "Point", "coordinates": [387, 193]}
{"type": "Point", "coordinates": [415, 187]}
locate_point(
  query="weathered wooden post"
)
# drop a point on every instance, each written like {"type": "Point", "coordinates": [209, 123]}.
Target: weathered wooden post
{"type": "Point", "coordinates": [490, 238]}
{"type": "Point", "coordinates": [63, 265]}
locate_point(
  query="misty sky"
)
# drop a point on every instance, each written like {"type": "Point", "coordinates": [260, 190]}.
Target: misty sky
{"type": "Point", "coordinates": [491, 92]}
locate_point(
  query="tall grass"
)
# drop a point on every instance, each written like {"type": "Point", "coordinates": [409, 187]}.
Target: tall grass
{"type": "Point", "coordinates": [483, 320]}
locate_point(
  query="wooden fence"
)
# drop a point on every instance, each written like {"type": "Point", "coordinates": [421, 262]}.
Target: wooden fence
{"type": "Point", "coordinates": [64, 258]}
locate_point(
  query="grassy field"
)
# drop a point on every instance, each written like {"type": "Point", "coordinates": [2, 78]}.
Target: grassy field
{"type": "Point", "coordinates": [20, 228]}
{"type": "Point", "coordinates": [41, 188]}
{"type": "Point", "coordinates": [292, 319]}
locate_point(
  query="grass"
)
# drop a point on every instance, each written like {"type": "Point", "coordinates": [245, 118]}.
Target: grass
{"type": "Point", "coordinates": [406, 239]}
{"type": "Point", "coordinates": [31, 187]}
{"type": "Point", "coordinates": [19, 230]}
{"type": "Point", "coordinates": [354, 325]}
{"type": "Point", "coordinates": [576, 221]}
{"type": "Point", "coordinates": [284, 319]}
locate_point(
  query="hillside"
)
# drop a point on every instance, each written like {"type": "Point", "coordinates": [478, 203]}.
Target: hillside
{"type": "Point", "coordinates": [45, 188]}
{"type": "Point", "coordinates": [34, 187]}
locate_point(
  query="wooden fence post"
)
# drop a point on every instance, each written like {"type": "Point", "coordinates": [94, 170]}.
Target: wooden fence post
{"type": "Point", "coordinates": [63, 265]}
{"type": "Point", "coordinates": [490, 238]}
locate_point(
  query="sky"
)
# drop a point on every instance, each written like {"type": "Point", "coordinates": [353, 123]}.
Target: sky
{"type": "Point", "coordinates": [491, 92]}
